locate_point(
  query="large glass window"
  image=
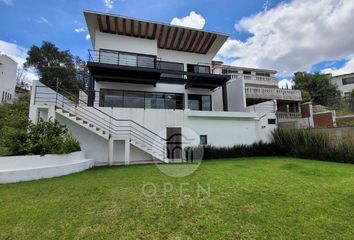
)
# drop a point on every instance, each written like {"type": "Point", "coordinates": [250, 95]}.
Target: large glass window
{"type": "Point", "coordinates": [199, 102]}
{"type": "Point", "coordinates": [109, 57]}
{"type": "Point", "coordinates": [127, 59]}
{"type": "Point", "coordinates": [198, 68]}
{"type": "Point", "coordinates": [349, 80]}
{"type": "Point", "coordinates": [171, 66]}
{"type": "Point", "coordinates": [132, 99]}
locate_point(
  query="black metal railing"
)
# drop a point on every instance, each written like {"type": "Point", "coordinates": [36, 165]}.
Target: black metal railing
{"type": "Point", "coordinates": [144, 61]}
{"type": "Point", "coordinates": [112, 126]}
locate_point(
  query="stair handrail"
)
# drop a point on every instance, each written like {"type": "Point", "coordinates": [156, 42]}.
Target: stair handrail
{"type": "Point", "coordinates": [60, 102]}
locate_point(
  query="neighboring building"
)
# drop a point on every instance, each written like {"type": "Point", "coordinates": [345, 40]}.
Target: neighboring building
{"type": "Point", "coordinates": [8, 69]}
{"type": "Point", "coordinates": [256, 90]}
{"type": "Point", "coordinates": [151, 94]}
{"type": "Point", "coordinates": [345, 83]}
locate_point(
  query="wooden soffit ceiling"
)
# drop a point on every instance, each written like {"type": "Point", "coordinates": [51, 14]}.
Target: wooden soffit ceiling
{"type": "Point", "coordinates": [167, 36]}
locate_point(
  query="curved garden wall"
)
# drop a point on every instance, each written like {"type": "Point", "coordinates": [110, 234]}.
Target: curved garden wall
{"type": "Point", "coordinates": [32, 167]}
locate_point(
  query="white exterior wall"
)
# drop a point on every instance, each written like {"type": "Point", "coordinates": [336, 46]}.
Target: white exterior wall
{"type": "Point", "coordinates": [125, 44]}
{"type": "Point", "coordinates": [345, 89]}
{"type": "Point", "coordinates": [149, 47]}
{"type": "Point", "coordinates": [8, 68]}
{"type": "Point", "coordinates": [235, 96]}
{"type": "Point", "coordinates": [222, 128]}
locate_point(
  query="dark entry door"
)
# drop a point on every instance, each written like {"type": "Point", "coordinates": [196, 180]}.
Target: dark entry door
{"type": "Point", "coordinates": [174, 143]}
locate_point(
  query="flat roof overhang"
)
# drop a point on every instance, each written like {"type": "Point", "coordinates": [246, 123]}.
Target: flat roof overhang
{"type": "Point", "coordinates": [151, 76]}
{"type": "Point", "coordinates": [171, 37]}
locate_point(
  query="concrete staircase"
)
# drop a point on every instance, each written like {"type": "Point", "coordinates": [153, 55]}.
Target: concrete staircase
{"type": "Point", "coordinates": [141, 141]}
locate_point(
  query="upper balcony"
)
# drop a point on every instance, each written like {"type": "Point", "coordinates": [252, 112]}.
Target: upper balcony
{"type": "Point", "coordinates": [255, 79]}
{"type": "Point", "coordinates": [111, 65]}
{"type": "Point", "coordinates": [259, 94]}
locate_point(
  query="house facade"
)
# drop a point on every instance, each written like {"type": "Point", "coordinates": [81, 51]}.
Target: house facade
{"type": "Point", "coordinates": [345, 83]}
{"type": "Point", "coordinates": [8, 68]}
{"type": "Point", "coordinates": [151, 94]}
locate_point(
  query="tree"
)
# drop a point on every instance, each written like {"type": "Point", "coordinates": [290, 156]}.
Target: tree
{"type": "Point", "coordinates": [317, 87]}
{"type": "Point", "coordinates": [53, 65]}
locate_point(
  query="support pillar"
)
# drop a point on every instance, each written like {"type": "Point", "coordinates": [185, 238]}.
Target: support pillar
{"type": "Point", "coordinates": [110, 151]}
{"type": "Point", "coordinates": [91, 91]}
{"type": "Point", "coordinates": [224, 98]}
{"type": "Point", "coordinates": [126, 152]}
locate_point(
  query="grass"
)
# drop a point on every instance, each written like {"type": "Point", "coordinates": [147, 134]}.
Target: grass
{"type": "Point", "coordinates": [280, 198]}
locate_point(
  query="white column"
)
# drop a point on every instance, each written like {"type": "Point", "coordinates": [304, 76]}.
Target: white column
{"type": "Point", "coordinates": [110, 151]}
{"type": "Point", "coordinates": [185, 100]}
{"type": "Point", "coordinates": [126, 152]}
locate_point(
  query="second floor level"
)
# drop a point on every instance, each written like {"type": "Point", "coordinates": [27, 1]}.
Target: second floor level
{"type": "Point", "coordinates": [125, 41]}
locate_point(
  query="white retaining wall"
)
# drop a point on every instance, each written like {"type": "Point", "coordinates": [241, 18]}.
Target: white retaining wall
{"type": "Point", "coordinates": [33, 167]}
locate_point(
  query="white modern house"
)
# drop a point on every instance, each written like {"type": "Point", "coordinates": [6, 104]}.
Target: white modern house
{"type": "Point", "coordinates": [8, 68]}
{"type": "Point", "coordinates": [152, 93]}
{"type": "Point", "coordinates": [345, 83]}
{"type": "Point", "coordinates": [256, 90]}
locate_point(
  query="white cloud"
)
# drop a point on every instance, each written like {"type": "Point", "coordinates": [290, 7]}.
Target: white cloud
{"type": "Point", "coordinates": [293, 36]}
{"type": "Point", "coordinates": [42, 19]}
{"type": "Point", "coordinates": [347, 68]}
{"type": "Point", "coordinates": [8, 2]}
{"type": "Point", "coordinates": [80, 29]}
{"type": "Point", "coordinates": [19, 54]}
{"type": "Point", "coordinates": [108, 4]}
{"type": "Point", "coordinates": [88, 37]}
{"type": "Point", "coordinates": [194, 20]}
{"type": "Point", "coordinates": [286, 84]}
{"type": "Point", "coordinates": [14, 51]}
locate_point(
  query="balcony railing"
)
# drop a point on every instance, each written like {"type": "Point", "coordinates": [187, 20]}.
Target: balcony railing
{"type": "Point", "coordinates": [143, 61]}
{"type": "Point", "coordinates": [288, 115]}
{"type": "Point", "coordinates": [254, 79]}
{"type": "Point", "coordinates": [273, 93]}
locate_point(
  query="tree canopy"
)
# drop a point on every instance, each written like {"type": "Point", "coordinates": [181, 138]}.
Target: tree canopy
{"type": "Point", "coordinates": [316, 87]}
{"type": "Point", "coordinates": [53, 64]}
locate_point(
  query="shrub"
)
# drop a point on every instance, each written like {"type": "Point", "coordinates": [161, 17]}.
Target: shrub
{"type": "Point", "coordinates": [50, 138]}
{"type": "Point", "coordinates": [256, 149]}
{"type": "Point", "coordinates": [300, 143]}
{"type": "Point", "coordinates": [304, 143]}
{"type": "Point", "coordinates": [13, 124]}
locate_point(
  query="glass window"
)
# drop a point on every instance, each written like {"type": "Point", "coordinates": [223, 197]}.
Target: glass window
{"type": "Point", "coordinates": [199, 102]}
{"type": "Point", "coordinates": [146, 61]}
{"type": "Point", "coordinates": [130, 99]}
{"type": "Point", "coordinates": [155, 100]}
{"type": "Point", "coordinates": [111, 98]}
{"type": "Point", "coordinates": [126, 59]}
{"type": "Point", "coordinates": [134, 100]}
{"type": "Point", "coordinates": [271, 121]}
{"type": "Point", "coordinates": [201, 69]}
{"type": "Point", "coordinates": [349, 80]}
{"type": "Point", "coordinates": [203, 139]}
{"type": "Point", "coordinates": [109, 57]}
{"type": "Point", "coordinates": [171, 66]}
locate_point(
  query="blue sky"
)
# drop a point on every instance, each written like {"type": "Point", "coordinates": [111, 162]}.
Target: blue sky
{"type": "Point", "coordinates": [254, 28]}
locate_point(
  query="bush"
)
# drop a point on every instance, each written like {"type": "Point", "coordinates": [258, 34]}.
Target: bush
{"type": "Point", "coordinates": [307, 144]}
{"type": "Point", "coordinates": [13, 124]}
{"type": "Point", "coordinates": [50, 138]}
{"type": "Point", "coordinates": [256, 149]}
{"type": "Point", "coordinates": [300, 143]}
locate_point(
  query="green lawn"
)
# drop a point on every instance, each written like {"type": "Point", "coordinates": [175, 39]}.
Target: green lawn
{"type": "Point", "coordinates": [250, 198]}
